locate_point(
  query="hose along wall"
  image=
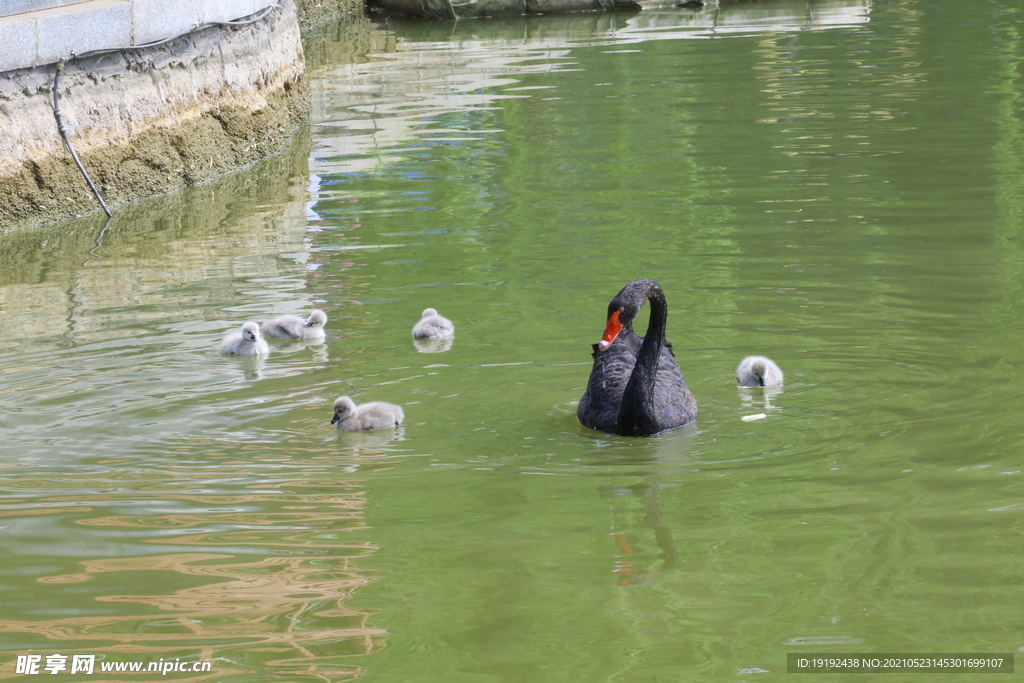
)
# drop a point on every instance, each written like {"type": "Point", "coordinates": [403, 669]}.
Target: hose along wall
{"type": "Point", "coordinates": [60, 67]}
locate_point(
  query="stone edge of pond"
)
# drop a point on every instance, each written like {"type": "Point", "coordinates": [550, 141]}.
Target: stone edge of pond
{"type": "Point", "coordinates": [150, 121]}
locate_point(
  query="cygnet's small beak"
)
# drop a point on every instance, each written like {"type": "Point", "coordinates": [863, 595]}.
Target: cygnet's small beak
{"type": "Point", "coordinates": [335, 418]}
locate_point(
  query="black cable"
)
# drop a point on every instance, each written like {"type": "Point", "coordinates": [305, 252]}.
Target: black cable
{"type": "Point", "coordinates": [67, 141]}
{"type": "Point", "coordinates": [195, 27]}
{"type": "Point", "coordinates": [60, 67]}
{"type": "Point", "coordinates": [263, 12]}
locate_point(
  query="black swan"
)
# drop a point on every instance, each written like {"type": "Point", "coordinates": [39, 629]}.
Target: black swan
{"type": "Point", "coordinates": [758, 371]}
{"type": "Point", "coordinates": [635, 387]}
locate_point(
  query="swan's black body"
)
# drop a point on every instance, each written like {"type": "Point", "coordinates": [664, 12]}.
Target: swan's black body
{"type": "Point", "coordinates": [636, 387]}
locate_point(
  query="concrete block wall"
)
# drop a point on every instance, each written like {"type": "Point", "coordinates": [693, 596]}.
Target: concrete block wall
{"type": "Point", "coordinates": [20, 44]}
{"type": "Point", "coordinates": [19, 6]}
{"type": "Point", "coordinates": [154, 20]}
{"type": "Point", "coordinates": [229, 10]}
{"type": "Point", "coordinates": [80, 28]}
{"type": "Point", "coordinates": [147, 121]}
{"type": "Point", "coordinates": [44, 31]}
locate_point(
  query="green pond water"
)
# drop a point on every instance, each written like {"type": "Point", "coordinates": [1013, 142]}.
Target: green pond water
{"type": "Point", "coordinates": [837, 185]}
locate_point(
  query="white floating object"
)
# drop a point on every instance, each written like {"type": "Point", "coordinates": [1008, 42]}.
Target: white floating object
{"type": "Point", "coordinates": [751, 418]}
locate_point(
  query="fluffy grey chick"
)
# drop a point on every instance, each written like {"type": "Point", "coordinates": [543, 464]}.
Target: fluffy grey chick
{"type": "Point", "coordinates": [374, 415]}
{"type": "Point", "coordinates": [758, 371]}
{"type": "Point", "coordinates": [294, 327]}
{"type": "Point", "coordinates": [433, 326]}
{"type": "Point", "coordinates": [245, 342]}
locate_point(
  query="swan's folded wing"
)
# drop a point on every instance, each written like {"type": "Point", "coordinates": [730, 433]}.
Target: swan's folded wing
{"type": "Point", "coordinates": [599, 407]}
{"type": "Point", "coordinates": [676, 404]}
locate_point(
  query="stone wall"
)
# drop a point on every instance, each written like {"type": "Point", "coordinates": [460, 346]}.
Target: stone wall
{"type": "Point", "coordinates": [315, 12]}
{"type": "Point", "coordinates": [147, 121]}
{"type": "Point", "coordinates": [37, 32]}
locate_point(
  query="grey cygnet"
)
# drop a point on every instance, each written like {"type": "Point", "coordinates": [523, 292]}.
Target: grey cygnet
{"type": "Point", "coordinates": [349, 417]}
{"type": "Point", "coordinates": [432, 325]}
{"type": "Point", "coordinates": [758, 371]}
{"type": "Point", "coordinates": [245, 342]}
{"type": "Point", "coordinates": [294, 327]}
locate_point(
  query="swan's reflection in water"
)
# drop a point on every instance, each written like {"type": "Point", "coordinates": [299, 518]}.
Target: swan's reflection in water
{"type": "Point", "coordinates": [646, 549]}
{"type": "Point", "coordinates": [317, 348]}
{"type": "Point", "coordinates": [759, 397]}
{"type": "Point", "coordinates": [372, 444]}
{"type": "Point", "coordinates": [659, 462]}
{"type": "Point", "coordinates": [252, 366]}
{"type": "Point", "coordinates": [627, 566]}
{"type": "Point", "coordinates": [433, 345]}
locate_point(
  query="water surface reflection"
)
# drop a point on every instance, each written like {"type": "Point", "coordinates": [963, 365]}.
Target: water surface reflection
{"type": "Point", "coordinates": [800, 180]}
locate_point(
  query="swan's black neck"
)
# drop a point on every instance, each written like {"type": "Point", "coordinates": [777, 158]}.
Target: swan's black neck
{"type": "Point", "coordinates": [637, 412]}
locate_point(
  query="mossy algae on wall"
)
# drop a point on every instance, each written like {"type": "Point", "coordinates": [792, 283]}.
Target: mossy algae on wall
{"type": "Point", "coordinates": [315, 12]}
{"type": "Point", "coordinates": [148, 121]}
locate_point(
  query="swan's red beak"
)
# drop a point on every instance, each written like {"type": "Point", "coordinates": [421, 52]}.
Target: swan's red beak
{"type": "Point", "coordinates": [611, 331]}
